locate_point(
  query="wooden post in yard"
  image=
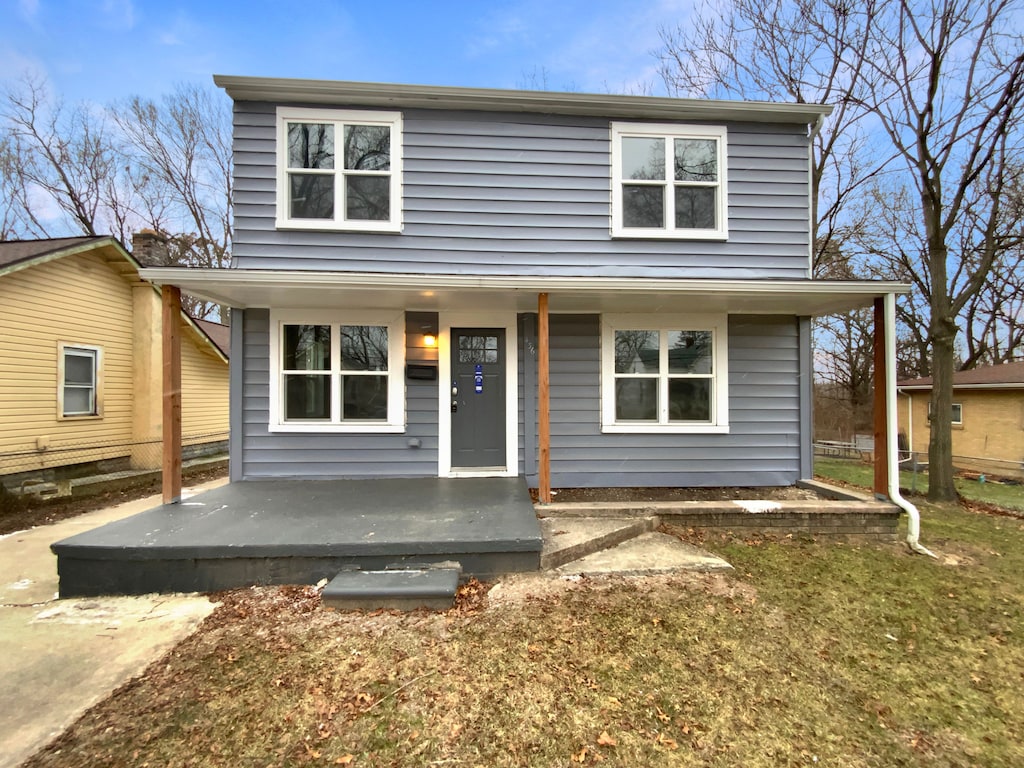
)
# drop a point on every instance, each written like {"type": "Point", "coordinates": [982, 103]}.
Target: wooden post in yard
{"type": "Point", "coordinates": [880, 410]}
{"type": "Point", "coordinates": [171, 323]}
{"type": "Point", "coordinates": [543, 401]}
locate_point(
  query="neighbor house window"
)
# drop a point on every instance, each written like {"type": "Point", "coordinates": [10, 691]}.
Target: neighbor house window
{"type": "Point", "coordinates": [78, 373]}
{"type": "Point", "coordinates": [664, 374]}
{"type": "Point", "coordinates": [339, 169]}
{"type": "Point", "coordinates": [337, 373]}
{"type": "Point", "coordinates": [956, 413]}
{"type": "Point", "coordinates": [668, 181]}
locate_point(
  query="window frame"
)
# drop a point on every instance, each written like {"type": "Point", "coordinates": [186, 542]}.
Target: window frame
{"type": "Point", "coordinates": [716, 324]}
{"type": "Point", "coordinates": [92, 352]}
{"type": "Point", "coordinates": [669, 132]}
{"type": "Point", "coordinates": [338, 118]}
{"type": "Point", "coordinates": [395, 324]}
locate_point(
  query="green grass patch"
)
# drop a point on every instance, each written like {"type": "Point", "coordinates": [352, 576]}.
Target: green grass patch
{"type": "Point", "coordinates": [811, 653]}
{"type": "Point", "coordinates": [859, 473]}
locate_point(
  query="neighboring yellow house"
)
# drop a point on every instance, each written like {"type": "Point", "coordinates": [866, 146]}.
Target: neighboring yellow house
{"type": "Point", "coordinates": [81, 364]}
{"type": "Point", "coordinates": [988, 418]}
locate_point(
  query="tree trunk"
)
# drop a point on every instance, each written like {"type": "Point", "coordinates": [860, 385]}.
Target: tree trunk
{"type": "Point", "coordinates": [940, 442]}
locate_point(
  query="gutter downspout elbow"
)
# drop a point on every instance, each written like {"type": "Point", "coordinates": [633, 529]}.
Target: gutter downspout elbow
{"type": "Point", "coordinates": [892, 426]}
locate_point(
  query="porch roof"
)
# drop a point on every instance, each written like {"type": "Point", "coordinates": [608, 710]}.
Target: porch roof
{"type": "Point", "coordinates": [250, 288]}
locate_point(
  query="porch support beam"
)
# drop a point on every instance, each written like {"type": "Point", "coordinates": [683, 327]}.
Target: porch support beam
{"type": "Point", "coordinates": [543, 402]}
{"type": "Point", "coordinates": [880, 408]}
{"type": "Point", "coordinates": [171, 321]}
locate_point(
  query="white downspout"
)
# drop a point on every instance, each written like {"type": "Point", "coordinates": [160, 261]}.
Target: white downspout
{"type": "Point", "coordinates": [891, 428]}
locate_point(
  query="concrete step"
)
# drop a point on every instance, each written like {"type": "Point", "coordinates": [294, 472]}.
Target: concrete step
{"type": "Point", "coordinates": [568, 539]}
{"type": "Point", "coordinates": [400, 589]}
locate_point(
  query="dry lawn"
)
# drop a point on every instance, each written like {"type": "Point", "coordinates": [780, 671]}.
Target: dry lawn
{"type": "Point", "coordinates": [813, 653]}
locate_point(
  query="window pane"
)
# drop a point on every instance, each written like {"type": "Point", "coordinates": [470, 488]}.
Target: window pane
{"type": "Point", "coordinates": [689, 399]}
{"type": "Point", "coordinates": [307, 396]}
{"type": "Point", "coordinates": [307, 347]}
{"type": "Point", "coordinates": [365, 397]}
{"type": "Point", "coordinates": [368, 198]}
{"type": "Point", "coordinates": [636, 351]}
{"type": "Point", "coordinates": [478, 349]}
{"type": "Point", "coordinates": [312, 197]}
{"type": "Point", "coordinates": [695, 207]}
{"type": "Point", "coordinates": [689, 352]}
{"type": "Point", "coordinates": [79, 368]}
{"type": "Point", "coordinates": [310, 145]}
{"type": "Point", "coordinates": [643, 206]}
{"type": "Point", "coordinates": [78, 401]}
{"type": "Point", "coordinates": [636, 399]}
{"type": "Point", "coordinates": [643, 158]}
{"type": "Point", "coordinates": [958, 413]}
{"type": "Point", "coordinates": [368, 147]}
{"type": "Point", "coordinates": [364, 348]}
{"type": "Point", "coordinates": [696, 160]}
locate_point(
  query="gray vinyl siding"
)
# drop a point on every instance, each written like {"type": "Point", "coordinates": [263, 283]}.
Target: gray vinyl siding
{"type": "Point", "coordinates": [334, 455]}
{"type": "Point", "coordinates": [494, 193]}
{"type": "Point", "coordinates": [762, 447]}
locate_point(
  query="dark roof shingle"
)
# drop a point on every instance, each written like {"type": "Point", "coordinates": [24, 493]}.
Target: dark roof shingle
{"type": "Point", "coordinates": [1005, 374]}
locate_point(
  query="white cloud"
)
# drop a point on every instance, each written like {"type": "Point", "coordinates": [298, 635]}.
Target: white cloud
{"type": "Point", "coordinates": [117, 14]}
{"type": "Point", "coordinates": [29, 9]}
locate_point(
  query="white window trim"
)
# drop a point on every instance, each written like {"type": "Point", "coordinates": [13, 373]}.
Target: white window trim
{"type": "Point", "coordinates": [396, 369]}
{"type": "Point", "coordinates": [63, 347]}
{"type": "Point", "coordinates": [953, 419]}
{"type": "Point", "coordinates": [717, 324]}
{"type": "Point", "coordinates": [669, 131]}
{"type": "Point", "coordinates": [339, 117]}
{"type": "Point", "coordinates": [476, 319]}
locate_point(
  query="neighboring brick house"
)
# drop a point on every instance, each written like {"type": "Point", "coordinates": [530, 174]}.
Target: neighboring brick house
{"type": "Point", "coordinates": [988, 418]}
{"type": "Point", "coordinates": [80, 364]}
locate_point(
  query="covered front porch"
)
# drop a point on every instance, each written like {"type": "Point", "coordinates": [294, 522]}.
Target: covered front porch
{"type": "Point", "coordinates": [302, 531]}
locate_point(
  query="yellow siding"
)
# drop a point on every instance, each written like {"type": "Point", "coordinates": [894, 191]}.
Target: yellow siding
{"type": "Point", "coordinates": [204, 391]}
{"type": "Point", "coordinates": [77, 300]}
{"type": "Point", "coordinates": [992, 429]}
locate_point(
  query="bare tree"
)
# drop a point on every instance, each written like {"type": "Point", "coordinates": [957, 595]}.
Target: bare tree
{"type": "Point", "coordinates": [788, 51]}
{"type": "Point", "coordinates": [184, 143]}
{"type": "Point", "coordinates": [945, 82]}
{"type": "Point", "coordinates": [60, 161]}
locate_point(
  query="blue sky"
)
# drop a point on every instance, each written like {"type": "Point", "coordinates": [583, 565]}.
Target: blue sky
{"type": "Point", "coordinates": [106, 50]}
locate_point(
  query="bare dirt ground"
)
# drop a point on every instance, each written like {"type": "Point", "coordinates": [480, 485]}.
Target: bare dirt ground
{"type": "Point", "coordinates": [19, 514]}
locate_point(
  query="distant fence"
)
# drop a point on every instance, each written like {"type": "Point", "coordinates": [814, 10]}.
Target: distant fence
{"type": "Point", "coordinates": [58, 469]}
{"type": "Point", "coordinates": [918, 460]}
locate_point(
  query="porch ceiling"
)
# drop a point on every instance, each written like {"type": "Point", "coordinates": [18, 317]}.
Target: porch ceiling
{"type": "Point", "coordinates": [246, 289]}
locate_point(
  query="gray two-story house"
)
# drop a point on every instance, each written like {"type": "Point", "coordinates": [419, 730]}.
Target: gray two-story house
{"type": "Point", "coordinates": [582, 290]}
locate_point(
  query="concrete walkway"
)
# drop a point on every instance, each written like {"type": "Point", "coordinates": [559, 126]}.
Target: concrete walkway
{"type": "Point", "coordinates": [59, 657]}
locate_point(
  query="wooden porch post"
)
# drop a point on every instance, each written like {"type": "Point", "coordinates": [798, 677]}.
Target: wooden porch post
{"type": "Point", "coordinates": [880, 411]}
{"type": "Point", "coordinates": [171, 321]}
{"type": "Point", "coordinates": [543, 402]}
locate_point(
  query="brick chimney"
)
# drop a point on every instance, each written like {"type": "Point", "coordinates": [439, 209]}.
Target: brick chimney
{"type": "Point", "coordinates": [150, 249]}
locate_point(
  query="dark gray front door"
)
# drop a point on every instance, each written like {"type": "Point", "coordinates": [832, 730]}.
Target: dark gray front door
{"type": "Point", "coordinates": [478, 397]}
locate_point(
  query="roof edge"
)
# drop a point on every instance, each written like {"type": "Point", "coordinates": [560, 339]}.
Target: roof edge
{"type": "Point", "coordinates": [290, 90]}
{"type": "Point", "coordinates": [102, 241]}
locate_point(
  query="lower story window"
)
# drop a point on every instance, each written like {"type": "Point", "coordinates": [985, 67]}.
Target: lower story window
{"type": "Point", "coordinates": [79, 380]}
{"type": "Point", "coordinates": [664, 374]}
{"type": "Point", "coordinates": [337, 374]}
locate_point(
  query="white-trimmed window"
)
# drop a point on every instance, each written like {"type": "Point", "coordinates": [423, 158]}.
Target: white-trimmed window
{"type": "Point", "coordinates": [337, 373]}
{"type": "Point", "coordinates": [664, 374]}
{"type": "Point", "coordinates": [669, 181]}
{"type": "Point", "coordinates": [956, 417]}
{"type": "Point", "coordinates": [78, 375]}
{"type": "Point", "coordinates": [339, 170]}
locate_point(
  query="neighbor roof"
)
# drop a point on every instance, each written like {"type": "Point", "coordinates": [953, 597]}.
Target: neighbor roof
{"type": "Point", "coordinates": [218, 333]}
{"type": "Point", "coordinates": [1005, 376]}
{"type": "Point", "coordinates": [392, 95]}
{"type": "Point", "coordinates": [22, 252]}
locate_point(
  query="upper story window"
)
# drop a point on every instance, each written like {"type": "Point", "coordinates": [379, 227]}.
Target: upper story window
{"type": "Point", "coordinates": [339, 169]}
{"type": "Point", "coordinates": [669, 181]}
